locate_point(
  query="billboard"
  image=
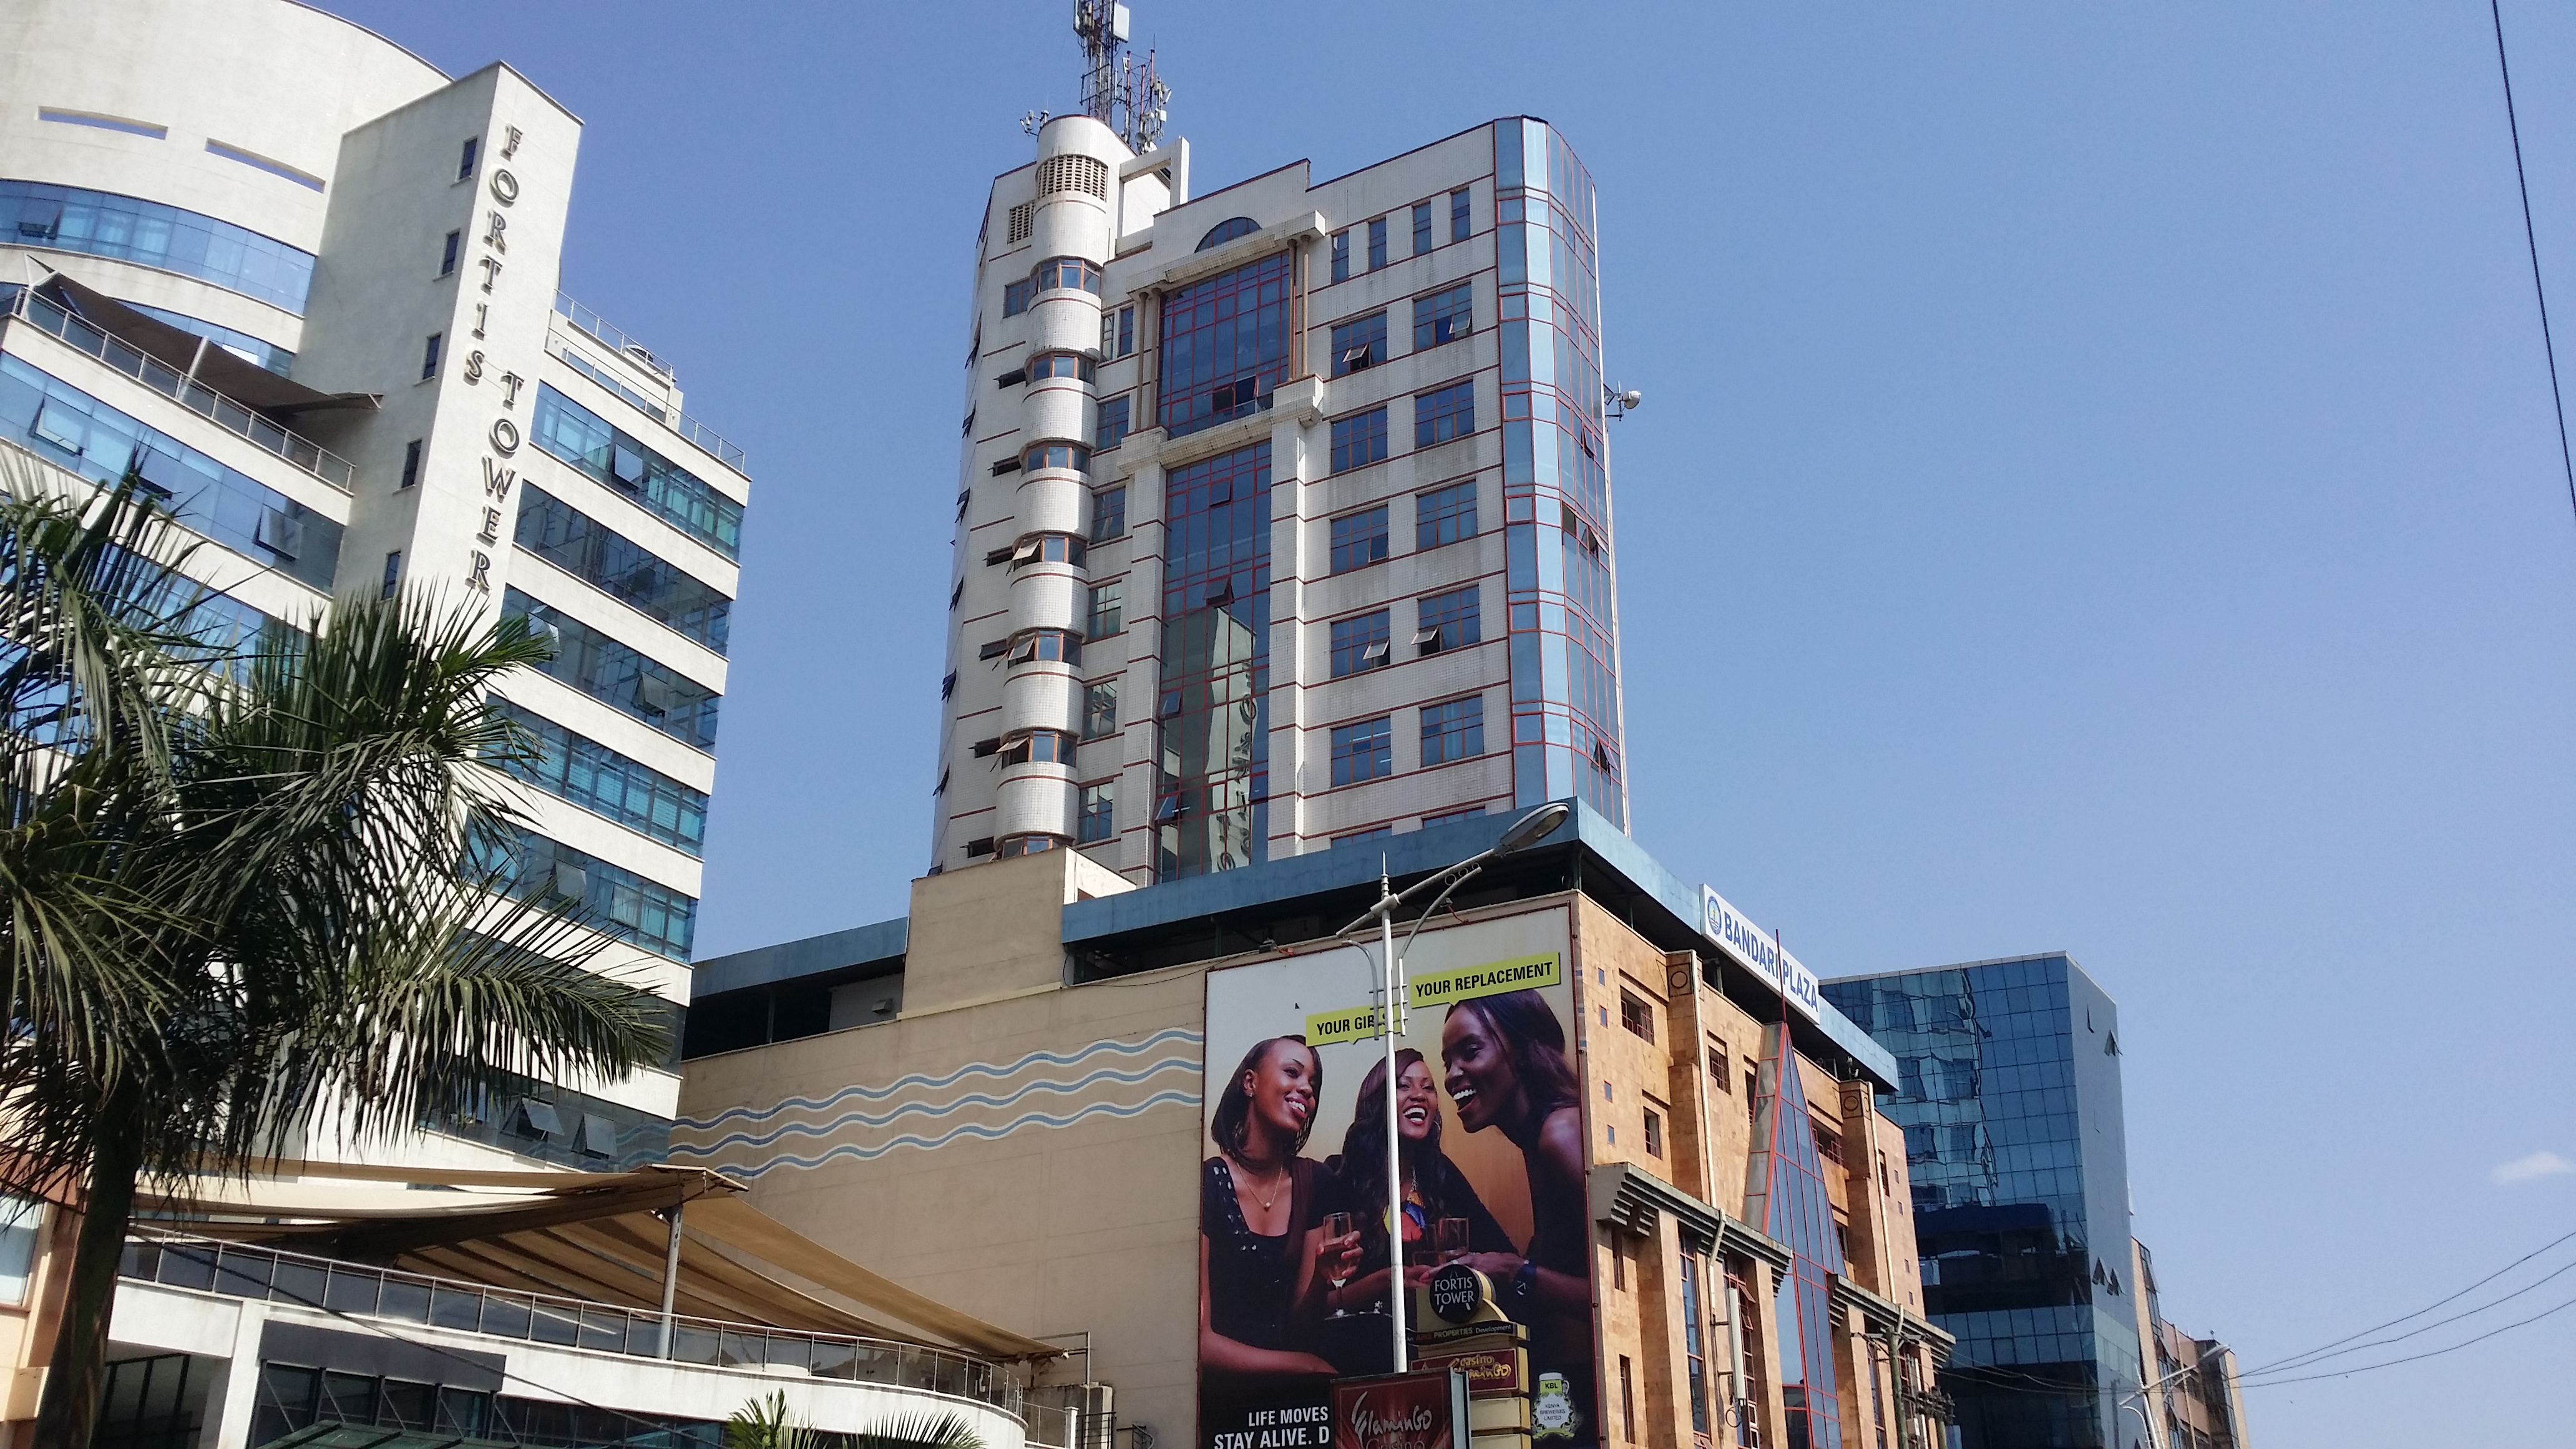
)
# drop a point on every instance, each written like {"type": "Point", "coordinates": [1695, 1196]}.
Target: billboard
{"type": "Point", "coordinates": [1295, 1213]}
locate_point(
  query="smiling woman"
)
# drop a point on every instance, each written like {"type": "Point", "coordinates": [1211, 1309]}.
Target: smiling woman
{"type": "Point", "coordinates": [1260, 1224]}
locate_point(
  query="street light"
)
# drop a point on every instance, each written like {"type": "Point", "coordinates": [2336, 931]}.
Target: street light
{"type": "Point", "coordinates": [1524, 832]}
{"type": "Point", "coordinates": [2135, 1399]}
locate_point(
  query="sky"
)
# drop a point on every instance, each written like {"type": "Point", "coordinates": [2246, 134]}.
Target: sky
{"type": "Point", "coordinates": [2096, 490]}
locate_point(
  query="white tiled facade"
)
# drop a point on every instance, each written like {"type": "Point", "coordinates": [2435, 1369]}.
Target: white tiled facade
{"type": "Point", "coordinates": [1147, 797]}
{"type": "Point", "coordinates": [342, 148]}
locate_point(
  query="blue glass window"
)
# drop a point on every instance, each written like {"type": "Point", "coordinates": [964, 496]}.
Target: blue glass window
{"type": "Point", "coordinates": [1225, 345]}
{"type": "Point", "coordinates": [1111, 428]}
{"type": "Point", "coordinates": [1057, 455]}
{"type": "Point", "coordinates": [574, 542]}
{"type": "Point", "coordinates": [1360, 644]}
{"type": "Point", "coordinates": [1212, 713]}
{"type": "Point", "coordinates": [68, 426]}
{"type": "Point", "coordinates": [1421, 227]}
{"type": "Point", "coordinates": [586, 440]}
{"type": "Point", "coordinates": [1015, 297]}
{"type": "Point", "coordinates": [1061, 364]}
{"type": "Point", "coordinates": [614, 900]}
{"type": "Point", "coordinates": [1444, 515]}
{"type": "Point", "coordinates": [1359, 440]}
{"type": "Point", "coordinates": [1108, 612]}
{"type": "Point", "coordinates": [1448, 621]}
{"type": "Point", "coordinates": [1067, 273]}
{"type": "Point", "coordinates": [1459, 217]}
{"type": "Point", "coordinates": [1117, 332]}
{"type": "Point", "coordinates": [1095, 817]}
{"type": "Point", "coordinates": [1226, 231]}
{"type": "Point", "coordinates": [1100, 709]}
{"type": "Point", "coordinates": [598, 779]}
{"type": "Point", "coordinates": [1453, 731]}
{"type": "Point", "coordinates": [1341, 256]}
{"type": "Point", "coordinates": [1359, 539]}
{"type": "Point", "coordinates": [1377, 244]}
{"type": "Point", "coordinates": [1444, 316]}
{"type": "Point", "coordinates": [1359, 343]}
{"type": "Point", "coordinates": [1109, 515]}
{"type": "Point", "coordinates": [1364, 751]}
{"type": "Point", "coordinates": [618, 676]}
{"type": "Point", "coordinates": [1447, 413]}
{"type": "Point", "coordinates": [1453, 817]}
{"type": "Point", "coordinates": [103, 224]}
{"type": "Point", "coordinates": [241, 344]}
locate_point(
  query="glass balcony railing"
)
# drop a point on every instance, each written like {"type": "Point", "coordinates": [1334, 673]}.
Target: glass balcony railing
{"type": "Point", "coordinates": [195, 396]}
{"type": "Point", "coordinates": [267, 1275]}
{"type": "Point", "coordinates": [707, 439]}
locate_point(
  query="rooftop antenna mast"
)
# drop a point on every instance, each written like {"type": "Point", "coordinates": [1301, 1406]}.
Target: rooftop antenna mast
{"type": "Point", "coordinates": [1117, 90]}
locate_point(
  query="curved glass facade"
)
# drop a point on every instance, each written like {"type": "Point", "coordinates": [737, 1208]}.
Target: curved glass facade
{"type": "Point", "coordinates": [258, 350]}
{"type": "Point", "coordinates": [68, 426]}
{"type": "Point", "coordinates": [130, 229]}
{"type": "Point", "coordinates": [1566, 735]}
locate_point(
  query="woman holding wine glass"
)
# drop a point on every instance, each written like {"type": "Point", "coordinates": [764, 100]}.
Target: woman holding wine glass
{"type": "Point", "coordinates": [1506, 1070]}
{"type": "Point", "coordinates": [1438, 1199]}
{"type": "Point", "coordinates": [1261, 1214]}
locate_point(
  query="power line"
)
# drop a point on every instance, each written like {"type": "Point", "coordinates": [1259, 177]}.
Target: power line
{"type": "Point", "coordinates": [2412, 1357]}
{"type": "Point", "coordinates": [2296, 1359]}
{"type": "Point", "coordinates": [2531, 239]}
{"type": "Point", "coordinates": [2312, 1360]}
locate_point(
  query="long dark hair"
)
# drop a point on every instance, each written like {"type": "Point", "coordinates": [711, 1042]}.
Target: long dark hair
{"type": "Point", "coordinates": [1234, 1106]}
{"type": "Point", "coordinates": [1535, 1041]}
{"type": "Point", "coordinates": [1364, 1145]}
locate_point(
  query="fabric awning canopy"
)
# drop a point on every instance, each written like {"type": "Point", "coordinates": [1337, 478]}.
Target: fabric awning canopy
{"type": "Point", "coordinates": [247, 383]}
{"type": "Point", "coordinates": [588, 1235]}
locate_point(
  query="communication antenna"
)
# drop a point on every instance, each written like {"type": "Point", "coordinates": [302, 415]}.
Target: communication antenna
{"type": "Point", "coordinates": [1118, 91]}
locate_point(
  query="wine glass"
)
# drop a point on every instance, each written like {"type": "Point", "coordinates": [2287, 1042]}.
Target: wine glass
{"type": "Point", "coordinates": [1338, 1226]}
{"type": "Point", "coordinates": [1451, 1239]}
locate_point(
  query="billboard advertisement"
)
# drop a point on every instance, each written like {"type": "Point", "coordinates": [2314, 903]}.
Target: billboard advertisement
{"type": "Point", "coordinates": [1296, 1216]}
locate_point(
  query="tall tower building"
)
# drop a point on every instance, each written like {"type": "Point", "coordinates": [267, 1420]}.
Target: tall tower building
{"type": "Point", "coordinates": [306, 282]}
{"type": "Point", "coordinates": [1283, 514]}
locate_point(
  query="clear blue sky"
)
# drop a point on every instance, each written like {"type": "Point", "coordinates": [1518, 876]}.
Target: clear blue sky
{"type": "Point", "coordinates": [2096, 491]}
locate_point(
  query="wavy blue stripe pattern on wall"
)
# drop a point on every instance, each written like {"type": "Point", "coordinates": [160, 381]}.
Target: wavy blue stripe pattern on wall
{"type": "Point", "coordinates": [1042, 1089]}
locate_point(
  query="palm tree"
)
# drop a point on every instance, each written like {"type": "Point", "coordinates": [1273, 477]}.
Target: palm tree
{"type": "Point", "coordinates": [235, 908]}
{"type": "Point", "coordinates": [764, 1424]}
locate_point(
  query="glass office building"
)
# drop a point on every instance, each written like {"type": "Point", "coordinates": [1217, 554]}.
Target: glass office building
{"type": "Point", "coordinates": [2010, 1104]}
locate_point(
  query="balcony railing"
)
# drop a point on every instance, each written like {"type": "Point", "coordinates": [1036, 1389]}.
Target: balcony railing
{"type": "Point", "coordinates": [267, 1275]}
{"type": "Point", "coordinates": [189, 393]}
{"type": "Point", "coordinates": [707, 439]}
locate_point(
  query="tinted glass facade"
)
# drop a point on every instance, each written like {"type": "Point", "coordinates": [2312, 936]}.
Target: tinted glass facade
{"type": "Point", "coordinates": [1225, 345]}
{"type": "Point", "coordinates": [2013, 1133]}
{"type": "Point", "coordinates": [1785, 1193]}
{"type": "Point", "coordinates": [1214, 756]}
{"type": "Point", "coordinates": [1566, 736]}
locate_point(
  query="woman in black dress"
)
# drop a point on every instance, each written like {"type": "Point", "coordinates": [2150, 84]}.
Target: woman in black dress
{"type": "Point", "coordinates": [1434, 1188]}
{"type": "Point", "coordinates": [1260, 1230]}
{"type": "Point", "coordinates": [1506, 1070]}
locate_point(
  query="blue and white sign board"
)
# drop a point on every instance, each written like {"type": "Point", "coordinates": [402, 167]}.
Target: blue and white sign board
{"type": "Point", "coordinates": [1726, 926]}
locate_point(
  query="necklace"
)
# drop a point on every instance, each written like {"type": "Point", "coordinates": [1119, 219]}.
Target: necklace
{"type": "Point", "coordinates": [1276, 1183]}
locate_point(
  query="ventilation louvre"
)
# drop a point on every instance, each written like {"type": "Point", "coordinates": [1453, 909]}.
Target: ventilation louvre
{"type": "Point", "coordinates": [1086, 174]}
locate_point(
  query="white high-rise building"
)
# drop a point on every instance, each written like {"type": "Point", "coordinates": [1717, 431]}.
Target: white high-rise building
{"type": "Point", "coordinates": [1284, 513]}
{"type": "Point", "coordinates": [308, 284]}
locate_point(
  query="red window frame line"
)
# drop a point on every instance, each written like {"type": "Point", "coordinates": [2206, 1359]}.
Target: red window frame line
{"type": "Point", "coordinates": [1326, 327]}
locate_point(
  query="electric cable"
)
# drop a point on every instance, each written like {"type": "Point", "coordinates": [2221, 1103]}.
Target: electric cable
{"type": "Point", "coordinates": [2412, 1357]}
{"type": "Point", "coordinates": [2311, 1361]}
{"type": "Point", "coordinates": [2531, 239]}
{"type": "Point", "coordinates": [2295, 1359]}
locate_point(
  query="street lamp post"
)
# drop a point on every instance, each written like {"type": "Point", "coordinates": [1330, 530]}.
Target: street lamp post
{"type": "Point", "coordinates": [2136, 1399]}
{"type": "Point", "coordinates": [1526, 831]}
